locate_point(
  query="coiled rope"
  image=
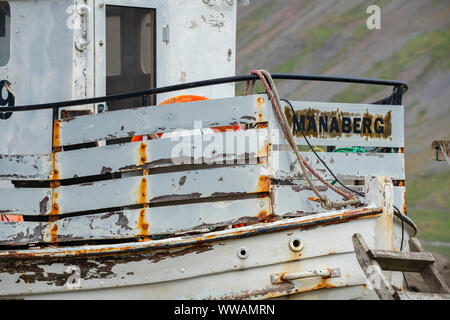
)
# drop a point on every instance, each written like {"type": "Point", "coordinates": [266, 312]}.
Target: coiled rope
{"type": "Point", "coordinates": [272, 92]}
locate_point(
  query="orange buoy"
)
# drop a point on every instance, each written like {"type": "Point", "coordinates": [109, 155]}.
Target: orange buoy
{"type": "Point", "coordinates": [188, 98]}
{"type": "Point", "coordinates": [10, 218]}
{"type": "Point", "coordinates": [177, 99]}
{"type": "Point", "coordinates": [183, 98]}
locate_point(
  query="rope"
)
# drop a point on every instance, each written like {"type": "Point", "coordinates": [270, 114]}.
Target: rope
{"type": "Point", "coordinates": [325, 201]}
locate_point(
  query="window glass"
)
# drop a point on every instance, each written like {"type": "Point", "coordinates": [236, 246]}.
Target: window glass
{"type": "Point", "coordinates": [113, 46]}
{"type": "Point", "coordinates": [5, 27]}
{"type": "Point", "coordinates": [130, 54]}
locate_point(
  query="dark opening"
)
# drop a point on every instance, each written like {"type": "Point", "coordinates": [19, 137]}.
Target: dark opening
{"type": "Point", "coordinates": [5, 26]}
{"type": "Point", "coordinates": [130, 54]}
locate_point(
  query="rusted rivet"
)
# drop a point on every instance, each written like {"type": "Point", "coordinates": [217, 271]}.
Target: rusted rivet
{"type": "Point", "coordinates": [260, 101]}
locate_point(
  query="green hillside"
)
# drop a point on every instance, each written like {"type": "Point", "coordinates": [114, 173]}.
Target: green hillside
{"type": "Point", "coordinates": [331, 38]}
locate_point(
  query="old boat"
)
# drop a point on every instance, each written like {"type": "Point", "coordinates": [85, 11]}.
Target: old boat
{"type": "Point", "coordinates": [205, 211]}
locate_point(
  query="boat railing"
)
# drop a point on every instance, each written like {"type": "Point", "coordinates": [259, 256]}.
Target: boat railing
{"type": "Point", "coordinates": [98, 186]}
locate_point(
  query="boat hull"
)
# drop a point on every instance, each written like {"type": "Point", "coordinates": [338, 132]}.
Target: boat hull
{"type": "Point", "coordinates": [210, 266]}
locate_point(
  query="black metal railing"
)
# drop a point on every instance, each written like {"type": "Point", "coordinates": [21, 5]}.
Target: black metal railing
{"type": "Point", "coordinates": [395, 98]}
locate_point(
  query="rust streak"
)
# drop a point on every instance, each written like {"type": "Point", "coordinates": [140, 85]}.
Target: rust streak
{"type": "Point", "coordinates": [55, 206]}
{"type": "Point", "coordinates": [262, 215]}
{"type": "Point", "coordinates": [323, 284]}
{"type": "Point", "coordinates": [56, 133]}
{"type": "Point", "coordinates": [142, 192]}
{"type": "Point", "coordinates": [142, 153]}
{"type": "Point", "coordinates": [55, 176]}
{"type": "Point", "coordinates": [260, 102]}
{"type": "Point", "coordinates": [264, 184]}
{"type": "Point", "coordinates": [142, 225]}
{"type": "Point", "coordinates": [54, 233]}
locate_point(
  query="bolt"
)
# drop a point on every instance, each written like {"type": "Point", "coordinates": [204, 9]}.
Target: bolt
{"type": "Point", "coordinates": [100, 43]}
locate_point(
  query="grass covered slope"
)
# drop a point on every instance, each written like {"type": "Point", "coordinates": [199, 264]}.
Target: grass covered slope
{"type": "Point", "coordinates": [331, 38]}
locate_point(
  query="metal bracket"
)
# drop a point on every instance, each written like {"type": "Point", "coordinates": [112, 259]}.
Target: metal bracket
{"type": "Point", "coordinates": [276, 278]}
{"type": "Point", "coordinates": [82, 42]}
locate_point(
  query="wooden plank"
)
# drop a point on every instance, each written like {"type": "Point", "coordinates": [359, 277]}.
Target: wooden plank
{"type": "Point", "coordinates": [235, 181]}
{"type": "Point", "coordinates": [430, 274]}
{"type": "Point", "coordinates": [408, 295]}
{"type": "Point", "coordinates": [372, 269]}
{"type": "Point", "coordinates": [345, 124]}
{"type": "Point", "coordinates": [207, 148]}
{"type": "Point", "coordinates": [34, 201]}
{"type": "Point", "coordinates": [27, 132]}
{"type": "Point", "coordinates": [25, 167]}
{"type": "Point", "coordinates": [293, 198]}
{"type": "Point", "coordinates": [166, 118]}
{"type": "Point", "coordinates": [343, 165]}
{"type": "Point", "coordinates": [137, 222]}
{"type": "Point", "coordinates": [402, 261]}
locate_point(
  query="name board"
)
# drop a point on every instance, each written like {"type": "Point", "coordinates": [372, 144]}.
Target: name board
{"type": "Point", "coordinates": [348, 124]}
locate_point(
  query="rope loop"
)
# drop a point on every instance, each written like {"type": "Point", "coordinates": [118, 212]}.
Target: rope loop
{"type": "Point", "coordinates": [272, 92]}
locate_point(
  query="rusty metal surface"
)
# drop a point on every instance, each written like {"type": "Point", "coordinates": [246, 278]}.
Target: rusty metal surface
{"type": "Point", "coordinates": [295, 198]}
{"type": "Point", "coordinates": [25, 167]}
{"type": "Point", "coordinates": [301, 223]}
{"type": "Point", "coordinates": [166, 187]}
{"type": "Point", "coordinates": [132, 223]}
{"type": "Point", "coordinates": [265, 200]}
{"type": "Point", "coordinates": [119, 266]}
{"type": "Point", "coordinates": [344, 165]}
{"type": "Point", "coordinates": [161, 153]}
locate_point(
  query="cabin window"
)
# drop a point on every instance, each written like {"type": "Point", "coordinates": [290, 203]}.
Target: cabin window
{"type": "Point", "coordinates": [130, 54]}
{"type": "Point", "coordinates": [5, 26]}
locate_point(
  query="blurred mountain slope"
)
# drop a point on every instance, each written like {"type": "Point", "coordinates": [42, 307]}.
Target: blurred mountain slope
{"type": "Point", "coordinates": [331, 38]}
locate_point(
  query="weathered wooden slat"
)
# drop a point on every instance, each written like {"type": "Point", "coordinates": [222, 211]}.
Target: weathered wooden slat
{"type": "Point", "coordinates": [345, 124]}
{"type": "Point", "coordinates": [292, 197]}
{"type": "Point", "coordinates": [343, 165]}
{"type": "Point", "coordinates": [205, 148]}
{"type": "Point", "coordinates": [137, 222]}
{"type": "Point", "coordinates": [25, 167]}
{"type": "Point", "coordinates": [235, 181]}
{"type": "Point", "coordinates": [34, 201]}
{"type": "Point", "coordinates": [296, 198]}
{"type": "Point", "coordinates": [408, 295]}
{"type": "Point", "coordinates": [402, 261]}
{"type": "Point", "coordinates": [166, 118]}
